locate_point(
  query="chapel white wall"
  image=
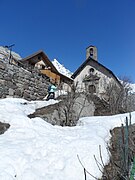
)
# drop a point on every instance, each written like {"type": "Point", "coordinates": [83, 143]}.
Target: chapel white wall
{"type": "Point", "coordinates": [103, 81]}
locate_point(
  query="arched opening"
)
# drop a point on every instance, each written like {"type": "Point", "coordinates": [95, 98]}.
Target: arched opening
{"type": "Point", "coordinates": [91, 71]}
{"type": "Point", "coordinates": [91, 52]}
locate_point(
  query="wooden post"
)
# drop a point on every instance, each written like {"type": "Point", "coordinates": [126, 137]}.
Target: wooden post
{"type": "Point", "coordinates": [123, 148]}
{"type": "Point", "coordinates": [127, 146]}
{"type": "Point", "coordinates": [130, 119]}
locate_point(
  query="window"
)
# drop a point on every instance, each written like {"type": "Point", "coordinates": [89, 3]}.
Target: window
{"type": "Point", "coordinates": [91, 52]}
{"type": "Point", "coordinates": [92, 89]}
{"type": "Point", "coordinates": [91, 70]}
{"type": "Point", "coordinates": [43, 67]}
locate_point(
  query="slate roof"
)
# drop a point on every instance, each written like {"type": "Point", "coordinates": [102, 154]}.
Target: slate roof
{"type": "Point", "coordinates": [96, 64]}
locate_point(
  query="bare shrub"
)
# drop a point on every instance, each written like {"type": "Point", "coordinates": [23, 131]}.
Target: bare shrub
{"type": "Point", "coordinates": [72, 106]}
{"type": "Point", "coordinates": [120, 99]}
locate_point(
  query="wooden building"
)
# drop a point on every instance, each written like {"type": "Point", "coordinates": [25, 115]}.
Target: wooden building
{"type": "Point", "coordinates": [39, 61]}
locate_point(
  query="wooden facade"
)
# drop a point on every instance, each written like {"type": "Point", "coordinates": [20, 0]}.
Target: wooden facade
{"type": "Point", "coordinates": [40, 61]}
{"type": "Point", "coordinates": [55, 78]}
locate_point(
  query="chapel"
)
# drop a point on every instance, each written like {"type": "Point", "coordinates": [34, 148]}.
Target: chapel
{"type": "Point", "coordinates": [93, 77]}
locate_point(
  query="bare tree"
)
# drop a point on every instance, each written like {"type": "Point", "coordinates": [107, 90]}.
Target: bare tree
{"type": "Point", "coordinates": [119, 97]}
{"type": "Point", "coordinates": [72, 105]}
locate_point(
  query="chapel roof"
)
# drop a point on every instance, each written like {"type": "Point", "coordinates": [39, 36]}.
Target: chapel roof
{"type": "Point", "coordinates": [97, 64]}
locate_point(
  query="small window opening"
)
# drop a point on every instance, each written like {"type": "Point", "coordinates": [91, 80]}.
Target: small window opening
{"type": "Point", "coordinates": [91, 70]}
{"type": "Point", "coordinates": [39, 57]}
{"type": "Point", "coordinates": [43, 66]}
{"type": "Point", "coordinates": [91, 52]}
{"type": "Point", "coordinates": [92, 89]}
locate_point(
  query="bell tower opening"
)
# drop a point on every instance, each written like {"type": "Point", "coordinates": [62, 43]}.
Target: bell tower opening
{"type": "Point", "coordinates": [91, 51]}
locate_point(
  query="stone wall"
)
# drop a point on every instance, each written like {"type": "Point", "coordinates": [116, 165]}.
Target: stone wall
{"type": "Point", "coordinates": [62, 114]}
{"type": "Point", "coordinates": [21, 83]}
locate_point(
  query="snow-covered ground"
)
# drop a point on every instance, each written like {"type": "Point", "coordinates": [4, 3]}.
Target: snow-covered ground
{"type": "Point", "coordinates": [32, 149]}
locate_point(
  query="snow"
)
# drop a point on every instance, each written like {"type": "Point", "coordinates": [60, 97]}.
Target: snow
{"type": "Point", "coordinates": [61, 68]}
{"type": "Point", "coordinates": [60, 92]}
{"type": "Point", "coordinates": [32, 149]}
{"type": "Point", "coordinates": [133, 88]}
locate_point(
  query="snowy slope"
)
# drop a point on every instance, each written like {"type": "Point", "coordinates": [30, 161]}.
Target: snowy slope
{"type": "Point", "coordinates": [33, 149]}
{"type": "Point", "coordinates": [4, 53]}
{"type": "Point", "coordinates": [133, 87]}
{"type": "Point", "coordinates": [61, 68]}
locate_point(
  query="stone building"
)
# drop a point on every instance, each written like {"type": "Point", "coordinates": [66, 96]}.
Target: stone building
{"type": "Point", "coordinates": [92, 76]}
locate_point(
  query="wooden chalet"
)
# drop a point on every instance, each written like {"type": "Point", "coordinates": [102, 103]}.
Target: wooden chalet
{"type": "Point", "coordinates": [41, 62]}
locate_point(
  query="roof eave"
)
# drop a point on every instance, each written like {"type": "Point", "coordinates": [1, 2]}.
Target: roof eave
{"type": "Point", "coordinates": [44, 59]}
{"type": "Point", "coordinates": [85, 62]}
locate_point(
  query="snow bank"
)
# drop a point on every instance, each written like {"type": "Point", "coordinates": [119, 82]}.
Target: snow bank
{"type": "Point", "coordinates": [32, 149]}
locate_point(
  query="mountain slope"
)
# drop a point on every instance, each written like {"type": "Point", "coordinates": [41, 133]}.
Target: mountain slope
{"type": "Point", "coordinates": [61, 68]}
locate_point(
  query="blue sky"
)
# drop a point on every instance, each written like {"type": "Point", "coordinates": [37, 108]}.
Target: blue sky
{"type": "Point", "coordinates": [64, 28]}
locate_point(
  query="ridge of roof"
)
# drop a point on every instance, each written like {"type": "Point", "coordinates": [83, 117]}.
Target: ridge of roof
{"type": "Point", "coordinates": [90, 59]}
{"type": "Point", "coordinates": [48, 60]}
{"type": "Point", "coordinates": [32, 55]}
{"type": "Point", "coordinates": [90, 46]}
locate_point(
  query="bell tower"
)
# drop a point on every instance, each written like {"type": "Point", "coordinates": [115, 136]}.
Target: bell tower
{"type": "Point", "coordinates": [91, 51]}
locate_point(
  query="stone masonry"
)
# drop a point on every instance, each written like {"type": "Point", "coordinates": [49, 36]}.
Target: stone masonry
{"type": "Point", "coordinates": [21, 83]}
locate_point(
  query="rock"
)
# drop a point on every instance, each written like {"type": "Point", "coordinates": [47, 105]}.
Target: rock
{"type": "Point", "coordinates": [18, 92]}
{"type": "Point", "coordinates": [26, 95]}
{"type": "Point", "coordinates": [11, 92]}
{"type": "Point", "coordinates": [3, 127]}
{"type": "Point", "coordinates": [2, 66]}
